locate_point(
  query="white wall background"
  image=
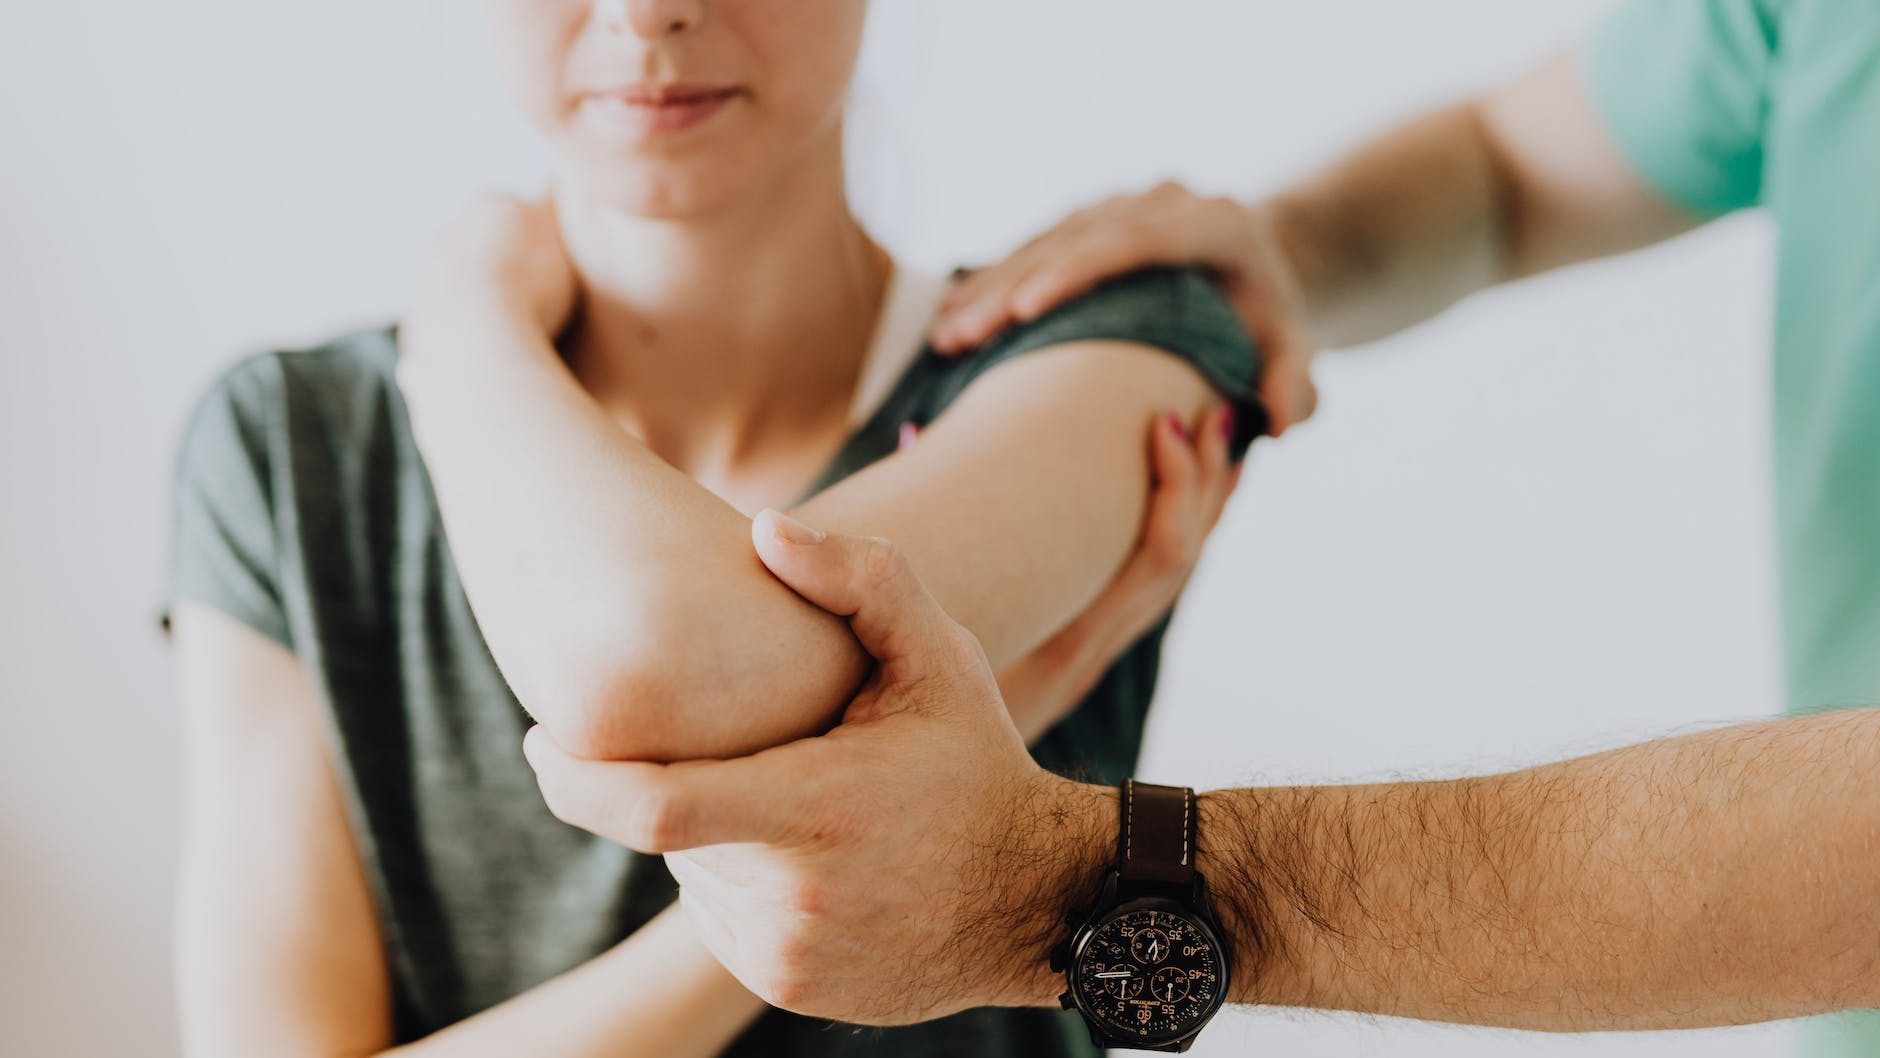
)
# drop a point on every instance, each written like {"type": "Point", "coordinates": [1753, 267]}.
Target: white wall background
{"type": "Point", "coordinates": [1531, 528]}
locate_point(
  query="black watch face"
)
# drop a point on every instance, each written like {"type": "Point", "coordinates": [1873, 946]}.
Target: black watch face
{"type": "Point", "coordinates": [1150, 972]}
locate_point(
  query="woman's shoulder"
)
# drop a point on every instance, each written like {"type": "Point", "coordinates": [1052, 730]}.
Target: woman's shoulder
{"type": "Point", "coordinates": [1180, 311]}
{"type": "Point", "coordinates": [334, 392]}
{"type": "Point", "coordinates": [336, 372]}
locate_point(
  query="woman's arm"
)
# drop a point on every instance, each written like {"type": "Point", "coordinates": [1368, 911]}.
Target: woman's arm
{"type": "Point", "coordinates": [621, 597]}
{"type": "Point", "coordinates": [278, 950]}
{"type": "Point", "coordinates": [1193, 478]}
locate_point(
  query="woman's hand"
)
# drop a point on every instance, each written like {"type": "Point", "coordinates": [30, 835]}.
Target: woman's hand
{"type": "Point", "coordinates": [502, 256]}
{"type": "Point", "coordinates": [1193, 477]}
{"type": "Point", "coordinates": [1167, 225]}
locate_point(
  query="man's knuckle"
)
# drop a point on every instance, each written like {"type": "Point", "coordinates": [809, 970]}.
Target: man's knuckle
{"type": "Point", "coordinates": [806, 897]}
{"type": "Point", "coordinates": [655, 820]}
{"type": "Point", "coordinates": [791, 992]}
{"type": "Point", "coordinates": [961, 651]}
{"type": "Point", "coordinates": [882, 562]}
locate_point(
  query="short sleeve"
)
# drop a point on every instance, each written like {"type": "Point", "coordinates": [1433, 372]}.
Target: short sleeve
{"type": "Point", "coordinates": [224, 545]}
{"type": "Point", "coordinates": [1683, 86]}
{"type": "Point", "coordinates": [1178, 311]}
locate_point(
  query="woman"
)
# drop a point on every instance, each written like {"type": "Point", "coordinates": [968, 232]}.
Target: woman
{"type": "Point", "coordinates": [600, 393]}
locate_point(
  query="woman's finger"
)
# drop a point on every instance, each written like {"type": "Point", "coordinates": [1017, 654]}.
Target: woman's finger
{"type": "Point", "coordinates": [1163, 547]}
{"type": "Point", "coordinates": [1213, 444]}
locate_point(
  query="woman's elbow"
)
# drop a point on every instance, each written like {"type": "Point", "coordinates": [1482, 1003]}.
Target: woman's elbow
{"type": "Point", "coordinates": [613, 703]}
{"type": "Point", "coordinates": [695, 680]}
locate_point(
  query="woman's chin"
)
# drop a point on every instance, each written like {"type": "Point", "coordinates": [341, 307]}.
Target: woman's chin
{"type": "Point", "coordinates": [661, 189]}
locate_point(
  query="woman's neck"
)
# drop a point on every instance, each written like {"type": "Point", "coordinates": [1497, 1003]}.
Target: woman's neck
{"type": "Point", "coordinates": [712, 338]}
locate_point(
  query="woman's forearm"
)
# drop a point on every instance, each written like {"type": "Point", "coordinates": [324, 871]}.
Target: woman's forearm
{"type": "Point", "coordinates": [657, 994]}
{"type": "Point", "coordinates": [600, 575]}
{"type": "Point", "coordinates": [623, 600]}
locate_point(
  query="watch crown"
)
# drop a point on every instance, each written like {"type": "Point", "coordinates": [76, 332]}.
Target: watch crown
{"type": "Point", "coordinates": [1073, 919]}
{"type": "Point", "coordinates": [1060, 956]}
{"type": "Point", "coordinates": [1065, 1001]}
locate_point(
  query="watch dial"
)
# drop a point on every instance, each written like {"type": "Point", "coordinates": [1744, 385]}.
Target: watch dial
{"type": "Point", "coordinates": [1150, 972]}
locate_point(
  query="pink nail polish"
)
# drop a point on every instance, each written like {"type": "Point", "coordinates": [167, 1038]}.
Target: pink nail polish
{"type": "Point", "coordinates": [909, 433]}
{"type": "Point", "coordinates": [1181, 428]}
{"type": "Point", "coordinates": [1227, 423]}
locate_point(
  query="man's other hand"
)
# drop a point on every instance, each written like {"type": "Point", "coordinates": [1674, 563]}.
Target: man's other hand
{"type": "Point", "coordinates": [1166, 225]}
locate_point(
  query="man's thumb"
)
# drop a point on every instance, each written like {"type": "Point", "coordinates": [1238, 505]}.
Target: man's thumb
{"type": "Point", "coordinates": [865, 579]}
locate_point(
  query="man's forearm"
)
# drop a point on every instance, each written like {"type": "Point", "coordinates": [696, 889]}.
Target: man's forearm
{"type": "Point", "coordinates": [1522, 179]}
{"type": "Point", "coordinates": [1396, 231]}
{"type": "Point", "coordinates": [1720, 878]}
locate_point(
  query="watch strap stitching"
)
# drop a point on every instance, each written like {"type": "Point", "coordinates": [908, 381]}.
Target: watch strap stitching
{"type": "Point", "coordinates": [1188, 798]}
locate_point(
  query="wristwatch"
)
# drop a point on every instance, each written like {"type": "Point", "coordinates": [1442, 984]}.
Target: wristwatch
{"type": "Point", "coordinates": [1145, 966]}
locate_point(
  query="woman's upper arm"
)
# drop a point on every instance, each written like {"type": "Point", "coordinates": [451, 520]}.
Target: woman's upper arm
{"type": "Point", "coordinates": [1021, 501]}
{"type": "Point", "coordinates": [1017, 504]}
{"type": "Point", "coordinates": [278, 950]}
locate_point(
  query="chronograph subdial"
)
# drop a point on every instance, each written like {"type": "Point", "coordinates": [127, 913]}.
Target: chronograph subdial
{"type": "Point", "coordinates": [1120, 982]}
{"type": "Point", "coordinates": [1169, 984]}
{"type": "Point", "coordinates": [1149, 946]}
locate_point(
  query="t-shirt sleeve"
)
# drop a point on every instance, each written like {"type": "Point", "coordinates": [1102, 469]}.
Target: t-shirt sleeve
{"type": "Point", "coordinates": [1178, 311]}
{"type": "Point", "coordinates": [224, 545]}
{"type": "Point", "coordinates": [1683, 86]}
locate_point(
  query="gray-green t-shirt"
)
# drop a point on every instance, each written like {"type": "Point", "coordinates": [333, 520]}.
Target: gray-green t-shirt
{"type": "Point", "coordinates": [303, 510]}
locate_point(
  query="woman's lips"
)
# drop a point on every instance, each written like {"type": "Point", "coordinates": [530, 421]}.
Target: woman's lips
{"type": "Point", "coordinates": [647, 109]}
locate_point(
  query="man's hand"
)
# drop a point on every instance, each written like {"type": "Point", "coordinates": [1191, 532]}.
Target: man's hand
{"type": "Point", "coordinates": [1165, 225]}
{"type": "Point", "coordinates": [910, 863]}
{"type": "Point", "coordinates": [914, 861]}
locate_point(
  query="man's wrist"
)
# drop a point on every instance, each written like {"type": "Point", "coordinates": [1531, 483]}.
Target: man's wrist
{"type": "Point", "coordinates": [1261, 851]}
{"type": "Point", "coordinates": [1063, 838]}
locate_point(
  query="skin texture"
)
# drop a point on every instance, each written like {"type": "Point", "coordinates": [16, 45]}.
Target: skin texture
{"type": "Point", "coordinates": [915, 861]}
{"type": "Point", "coordinates": [662, 405]}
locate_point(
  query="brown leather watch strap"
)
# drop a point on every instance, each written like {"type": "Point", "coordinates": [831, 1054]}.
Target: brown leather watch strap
{"type": "Point", "coordinates": [1157, 840]}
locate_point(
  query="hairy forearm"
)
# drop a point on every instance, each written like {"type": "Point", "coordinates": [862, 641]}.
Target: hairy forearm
{"type": "Point", "coordinates": [1720, 878]}
{"type": "Point", "coordinates": [1397, 230]}
{"type": "Point", "coordinates": [1523, 179]}
{"type": "Point", "coordinates": [658, 993]}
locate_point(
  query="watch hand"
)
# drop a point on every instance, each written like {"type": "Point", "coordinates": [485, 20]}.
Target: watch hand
{"type": "Point", "coordinates": [1112, 973]}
